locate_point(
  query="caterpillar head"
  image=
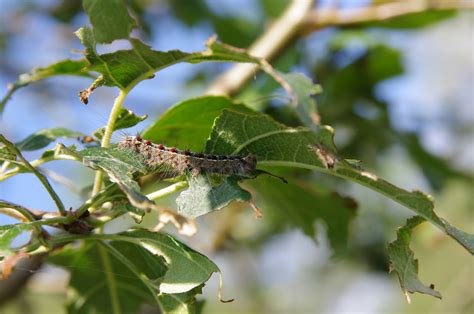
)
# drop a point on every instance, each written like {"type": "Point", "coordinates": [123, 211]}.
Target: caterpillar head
{"type": "Point", "coordinates": [250, 162]}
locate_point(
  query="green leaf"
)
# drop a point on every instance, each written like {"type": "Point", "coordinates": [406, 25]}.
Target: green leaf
{"type": "Point", "coordinates": [413, 20]}
{"type": "Point", "coordinates": [298, 204]}
{"type": "Point", "coordinates": [302, 91]}
{"type": "Point", "coordinates": [276, 145]}
{"type": "Point", "coordinates": [115, 276]}
{"type": "Point", "coordinates": [181, 303]}
{"type": "Point", "coordinates": [8, 233]}
{"type": "Point", "coordinates": [109, 18]}
{"type": "Point", "coordinates": [126, 119]}
{"type": "Point", "coordinates": [125, 68]}
{"type": "Point", "coordinates": [187, 269]}
{"type": "Point", "coordinates": [43, 138]}
{"type": "Point", "coordinates": [202, 197]}
{"type": "Point", "coordinates": [120, 166]}
{"type": "Point", "coordinates": [6, 154]}
{"type": "Point", "coordinates": [65, 67]}
{"type": "Point", "coordinates": [271, 142]}
{"type": "Point", "coordinates": [402, 261]}
{"type": "Point", "coordinates": [193, 116]}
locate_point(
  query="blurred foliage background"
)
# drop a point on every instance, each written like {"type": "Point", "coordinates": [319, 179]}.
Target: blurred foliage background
{"type": "Point", "coordinates": [398, 93]}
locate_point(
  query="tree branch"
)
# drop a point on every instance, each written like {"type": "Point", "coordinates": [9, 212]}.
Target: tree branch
{"type": "Point", "coordinates": [318, 19]}
{"type": "Point", "coordinates": [278, 36]}
{"type": "Point", "coordinates": [298, 20]}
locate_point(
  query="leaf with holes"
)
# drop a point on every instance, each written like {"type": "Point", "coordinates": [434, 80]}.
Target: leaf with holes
{"type": "Point", "coordinates": [121, 166]}
{"type": "Point", "coordinates": [182, 303]}
{"type": "Point", "coordinates": [402, 261]}
{"type": "Point", "coordinates": [277, 145]}
{"type": "Point", "coordinates": [125, 68]}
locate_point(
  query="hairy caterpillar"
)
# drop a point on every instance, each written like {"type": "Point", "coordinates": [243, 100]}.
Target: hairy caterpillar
{"type": "Point", "coordinates": [158, 156]}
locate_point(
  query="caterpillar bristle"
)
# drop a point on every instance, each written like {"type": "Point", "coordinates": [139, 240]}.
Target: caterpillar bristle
{"type": "Point", "coordinates": [173, 161]}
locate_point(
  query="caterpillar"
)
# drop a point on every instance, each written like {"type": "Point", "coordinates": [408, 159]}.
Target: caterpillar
{"type": "Point", "coordinates": [158, 156]}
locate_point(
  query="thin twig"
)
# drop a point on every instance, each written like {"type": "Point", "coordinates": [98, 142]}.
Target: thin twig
{"type": "Point", "coordinates": [298, 20]}
{"type": "Point", "coordinates": [108, 134]}
{"type": "Point", "coordinates": [40, 176]}
{"type": "Point", "coordinates": [167, 190]}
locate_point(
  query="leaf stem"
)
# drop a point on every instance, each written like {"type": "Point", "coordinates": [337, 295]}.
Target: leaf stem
{"type": "Point", "coordinates": [167, 190]}
{"type": "Point", "coordinates": [108, 134]}
{"type": "Point", "coordinates": [35, 163]}
{"type": "Point", "coordinates": [39, 175]}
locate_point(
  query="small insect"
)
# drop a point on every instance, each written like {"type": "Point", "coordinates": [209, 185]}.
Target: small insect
{"type": "Point", "coordinates": [86, 139]}
{"type": "Point", "coordinates": [158, 156]}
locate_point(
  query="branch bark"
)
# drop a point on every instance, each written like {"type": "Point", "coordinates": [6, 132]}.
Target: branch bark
{"type": "Point", "coordinates": [299, 20]}
{"type": "Point", "coordinates": [318, 19]}
{"type": "Point", "coordinates": [279, 35]}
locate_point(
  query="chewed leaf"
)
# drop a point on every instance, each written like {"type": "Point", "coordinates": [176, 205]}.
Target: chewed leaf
{"type": "Point", "coordinates": [120, 166]}
{"type": "Point", "coordinates": [277, 145]}
{"type": "Point", "coordinates": [181, 303]}
{"type": "Point", "coordinates": [43, 138]}
{"type": "Point", "coordinates": [402, 261]}
{"type": "Point", "coordinates": [126, 119]}
{"type": "Point", "coordinates": [125, 68]}
{"type": "Point", "coordinates": [108, 27]}
{"type": "Point", "coordinates": [202, 197]}
{"type": "Point", "coordinates": [65, 67]}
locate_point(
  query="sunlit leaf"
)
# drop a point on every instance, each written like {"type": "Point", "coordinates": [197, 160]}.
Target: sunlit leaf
{"type": "Point", "coordinates": [125, 68]}
{"type": "Point", "coordinates": [193, 116]}
{"type": "Point", "coordinates": [181, 303]}
{"type": "Point", "coordinates": [277, 145]}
